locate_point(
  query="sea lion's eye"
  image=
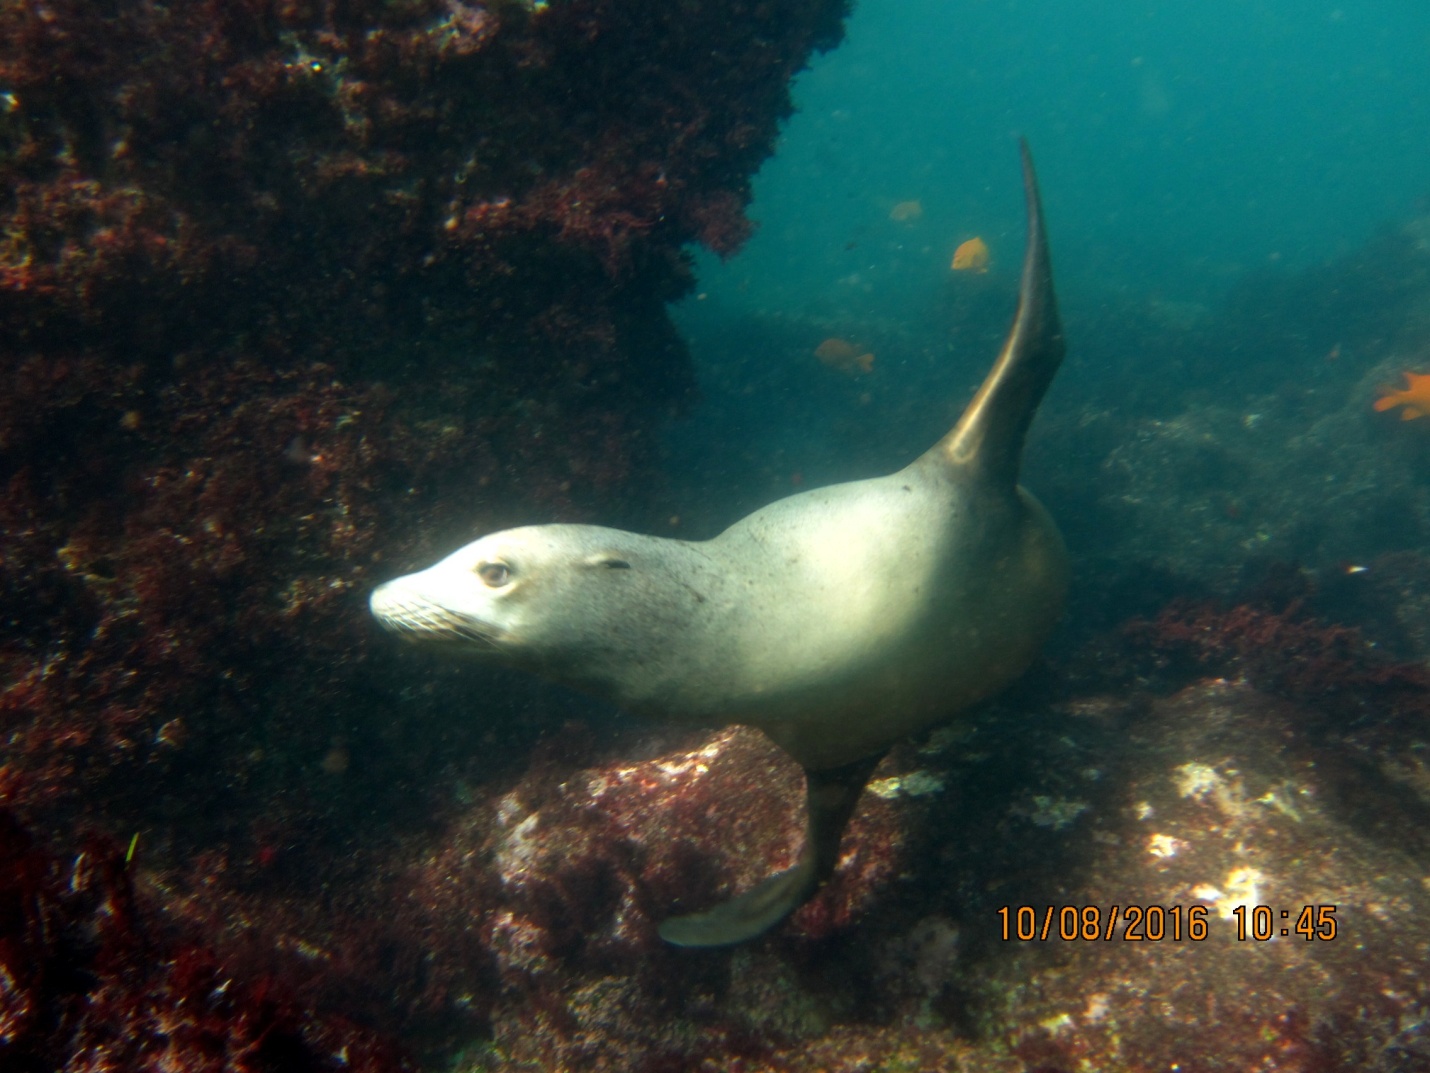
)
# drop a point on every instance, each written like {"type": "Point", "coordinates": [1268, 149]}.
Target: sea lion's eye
{"type": "Point", "coordinates": [494, 575]}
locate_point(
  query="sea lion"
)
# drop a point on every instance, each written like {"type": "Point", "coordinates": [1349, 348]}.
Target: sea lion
{"type": "Point", "coordinates": [837, 621]}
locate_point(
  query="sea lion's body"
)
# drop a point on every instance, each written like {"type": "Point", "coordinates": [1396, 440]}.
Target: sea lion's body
{"type": "Point", "coordinates": [899, 620]}
{"type": "Point", "coordinates": [837, 621]}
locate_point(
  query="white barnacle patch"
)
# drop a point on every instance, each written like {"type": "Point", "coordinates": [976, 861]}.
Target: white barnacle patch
{"type": "Point", "coordinates": [1243, 889]}
{"type": "Point", "coordinates": [1165, 846]}
{"type": "Point", "coordinates": [1097, 1008]}
{"type": "Point", "coordinates": [1057, 1024]}
{"type": "Point", "coordinates": [914, 784]}
{"type": "Point", "coordinates": [1196, 780]}
{"type": "Point", "coordinates": [519, 850]}
{"type": "Point", "coordinates": [1200, 782]}
{"type": "Point", "coordinates": [697, 762]}
{"type": "Point", "coordinates": [661, 774]}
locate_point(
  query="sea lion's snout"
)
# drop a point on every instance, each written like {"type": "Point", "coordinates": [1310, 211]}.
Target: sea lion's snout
{"type": "Point", "coordinates": [389, 607]}
{"type": "Point", "coordinates": [406, 607]}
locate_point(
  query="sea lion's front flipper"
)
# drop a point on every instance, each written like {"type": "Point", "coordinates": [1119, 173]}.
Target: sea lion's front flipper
{"type": "Point", "coordinates": [830, 796]}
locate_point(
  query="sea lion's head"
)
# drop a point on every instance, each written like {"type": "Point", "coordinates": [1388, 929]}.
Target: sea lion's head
{"type": "Point", "coordinates": [525, 596]}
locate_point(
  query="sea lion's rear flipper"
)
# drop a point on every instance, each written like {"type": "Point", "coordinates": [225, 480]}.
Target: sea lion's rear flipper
{"type": "Point", "coordinates": [830, 796]}
{"type": "Point", "coordinates": [989, 436]}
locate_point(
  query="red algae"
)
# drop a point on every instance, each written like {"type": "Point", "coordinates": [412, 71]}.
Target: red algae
{"type": "Point", "coordinates": [1287, 651]}
{"type": "Point", "coordinates": [296, 295]}
{"type": "Point", "coordinates": [562, 880]}
{"type": "Point", "coordinates": [90, 983]}
{"type": "Point", "coordinates": [538, 904]}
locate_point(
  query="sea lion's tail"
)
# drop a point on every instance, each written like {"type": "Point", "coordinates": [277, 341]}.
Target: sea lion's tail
{"type": "Point", "coordinates": [830, 797]}
{"type": "Point", "coordinates": [989, 436]}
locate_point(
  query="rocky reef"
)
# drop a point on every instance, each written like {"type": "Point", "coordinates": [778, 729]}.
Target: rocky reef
{"type": "Point", "coordinates": [1234, 717]}
{"type": "Point", "coordinates": [1068, 880]}
{"type": "Point", "coordinates": [296, 295]}
{"type": "Point", "coordinates": [293, 295]}
{"type": "Point", "coordinates": [92, 982]}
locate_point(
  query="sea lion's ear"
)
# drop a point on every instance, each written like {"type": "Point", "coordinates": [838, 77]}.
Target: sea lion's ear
{"type": "Point", "coordinates": [608, 559]}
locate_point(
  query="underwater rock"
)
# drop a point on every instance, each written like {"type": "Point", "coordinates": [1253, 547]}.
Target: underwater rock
{"type": "Point", "coordinates": [1213, 494]}
{"type": "Point", "coordinates": [1180, 814]}
{"type": "Point", "coordinates": [565, 876]}
{"type": "Point", "coordinates": [293, 296]}
{"type": "Point", "coordinates": [1205, 452]}
{"type": "Point", "coordinates": [91, 982]}
{"type": "Point", "coordinates": [284, 286]}
{"type": "Point", "coordinates": [1225, 804]}
{"type": "Point", "coordinates": [522, 932]}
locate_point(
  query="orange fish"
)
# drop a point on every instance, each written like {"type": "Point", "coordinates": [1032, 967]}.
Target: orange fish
{"type": "Point", "coordinates": [849, 358]}
{"type": "Point", "coordinates": [1415, 398]}
{"type": "Point", "coordinates": [906, 211]}
{"type": "Point", "coordinates": [972, 256]}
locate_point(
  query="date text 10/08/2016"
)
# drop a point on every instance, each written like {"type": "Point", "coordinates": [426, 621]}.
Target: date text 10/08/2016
{"type": "Point", "coordinates": [1155, 923]}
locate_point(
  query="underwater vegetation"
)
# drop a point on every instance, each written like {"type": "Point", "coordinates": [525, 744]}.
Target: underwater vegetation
{"type": "Point", "coordinates": [90, 984]}
{"type": "Point", "coordinates": [291, 294]}
{"type": "Point", "coordinates": [295, 295]}
{"type": "Point", "coordinates": [1234, 716]}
